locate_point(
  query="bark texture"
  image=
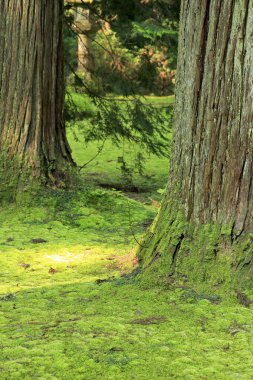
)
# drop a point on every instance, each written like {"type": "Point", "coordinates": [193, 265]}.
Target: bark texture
{"type": "Point", "coordinates": [213, 152]}
{"type": "Point", "coordinates": [209, 198]}
{"type": "Point", "coordinates": [32, 84]}
{"type": "Point", "coordinates": [83, 55]}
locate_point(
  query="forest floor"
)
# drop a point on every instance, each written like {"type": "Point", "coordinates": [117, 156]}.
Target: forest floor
{"type": "Point", "coordinates": [69, 309]}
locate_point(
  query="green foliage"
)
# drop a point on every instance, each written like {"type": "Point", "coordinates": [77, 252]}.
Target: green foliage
{"type": "Point", "coordinates": [117, 50]}
{"type": "Point", "coordinates": [106, 168]}
{"type": "Point", "coordinates": [151, 31]}
{"type": "Point", "coordinates": [115, 67]}
{"type": "Point", "coordinates": [78, 107]}
{"type": "Point", "coordinates": [133, 122]}
{"type": "Point", "coordinates": [122, 121]}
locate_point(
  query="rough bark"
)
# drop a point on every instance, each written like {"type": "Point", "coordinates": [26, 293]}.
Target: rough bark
{"type": "Point", "coordinates": [32, 84]}
{"type": "Point", "coordinates": [213, 142]}
{"type": "Point", "coordinates": [212, 161]}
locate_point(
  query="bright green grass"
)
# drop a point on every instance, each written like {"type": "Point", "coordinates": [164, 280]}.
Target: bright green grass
{"type": "Point", "coordinates": [64, 325]}
{"type": "Point", "coordinates": [104, 169]}
{"type": "Point", "coordinates": [81, 100]}
{"type": "Point", "coordinates": [160, 101]}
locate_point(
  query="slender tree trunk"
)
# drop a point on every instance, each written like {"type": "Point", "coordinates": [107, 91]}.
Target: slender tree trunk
{"type": "Point", "coordinates": [83, 55]}
{"type": "Point", "coordinates": [32, 84]}
{"type": "Point", "coordinates": [212, 160]}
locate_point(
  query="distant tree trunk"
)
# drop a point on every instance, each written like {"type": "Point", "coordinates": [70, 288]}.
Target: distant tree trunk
{"type": "Point", "coordinates": [83, 55]}
{"type": "Point", "coordinates": [32, 85]}
{"type": "Point", "coordinates": [212, 161]}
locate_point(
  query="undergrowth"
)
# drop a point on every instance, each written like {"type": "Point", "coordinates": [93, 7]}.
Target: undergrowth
{"type": "Point", "coordinates": [70, 308]}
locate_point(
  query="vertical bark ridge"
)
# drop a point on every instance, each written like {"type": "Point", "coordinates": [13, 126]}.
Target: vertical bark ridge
{"type": "Point", "coordinates": [214, 112]}
{"type": "Point", "coordinates": [32, 83]}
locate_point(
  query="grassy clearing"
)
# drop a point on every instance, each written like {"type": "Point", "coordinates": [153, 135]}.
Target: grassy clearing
{"type": "Point", "coordinates": [105, 168]}
{"type": "Point", "coordinates": [83, 103]}
{"type": "Point", "coordinates": [60, 319]}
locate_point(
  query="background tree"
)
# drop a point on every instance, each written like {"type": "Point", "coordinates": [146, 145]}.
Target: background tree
{"type": "Point", "coordinates": [134, 50]}
{"type": "Point", "coordinates": [32, 85]}
{"type": "Point", "coordinates": [203, 229]}
{"type": "Point", "coordinates": [116, 63]}
{"type": "Point", "coordinates": [147, 30]}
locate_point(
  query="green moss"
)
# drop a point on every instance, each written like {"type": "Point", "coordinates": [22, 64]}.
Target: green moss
{"type": "Point", "coordinates": [62, 328]}
{"type": "Point", "coordinates": [60, 320]}
{"type": "Point", "coordinates": [203, 257]}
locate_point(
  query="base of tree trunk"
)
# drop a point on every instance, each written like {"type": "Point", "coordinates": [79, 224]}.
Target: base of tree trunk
{"type": "Point", "coordinates": [206, 257]}
{"type": "Point", "coordinates": [22, 175]}
{"type": "Point", "coordinates": [59, 174]}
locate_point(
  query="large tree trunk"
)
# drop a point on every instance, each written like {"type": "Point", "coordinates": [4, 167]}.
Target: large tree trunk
{"type": "Point", "coordinates": [32, 85]}
{"type": "Point", "coordinates": [214, 112]}
{"type": "Point", "coordinates": [212, 161]}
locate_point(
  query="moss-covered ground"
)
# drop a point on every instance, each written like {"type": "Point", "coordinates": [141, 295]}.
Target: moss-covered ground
{"type": "Point", "coordinates": [69, 309]}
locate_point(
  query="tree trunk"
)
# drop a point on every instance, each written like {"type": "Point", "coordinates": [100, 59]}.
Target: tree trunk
{"type": "Point", "coordinates": [215, 108]}
{"type": "Point", "coordinates": [83, 55]}
{"type": "Point", "coordinates": [212, 161]}
{"type": "Point", "coordinates": [32, 85]}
